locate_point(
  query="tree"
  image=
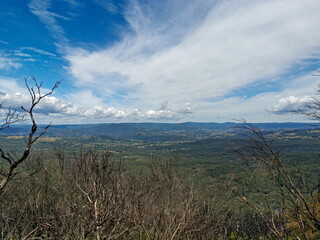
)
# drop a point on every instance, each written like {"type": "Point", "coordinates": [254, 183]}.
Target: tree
{"type": "Point", "coordinates": [11, 117]}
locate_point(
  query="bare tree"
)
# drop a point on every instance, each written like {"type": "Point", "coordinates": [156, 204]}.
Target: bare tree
{"type": "Point", "coordinates": [12, 116]}
{"type": "Point", "coordinates": [295, 202]}
{"type": "Point", "coordinates": [312, 109]}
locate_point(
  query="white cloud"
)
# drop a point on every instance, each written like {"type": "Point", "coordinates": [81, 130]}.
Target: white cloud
{"type": "Point", "coordinates": [163, 113]}
{"type": "Point", "coordinates": [83, 106]}
{"type": "Point", "coordinates": [291, 104]}
{"type": "Point", "coordinates": [84, 98]}
{"type": "Point", "coordinates": [55, 107]}
{"type": "Point", "coordinates": [58, 110]}
{"type": "Point", "coordinates": [190, 51]}
{"type": "Point", "coordinates": [258, 108]}
{"type": "Point", "coordinates": [10, 85]}
{"type": "Point", "coordinates": [296, 96]}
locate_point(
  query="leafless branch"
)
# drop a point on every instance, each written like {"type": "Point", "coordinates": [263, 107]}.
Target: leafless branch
{"type": "Point", "coordinates": [36, 97]}
{"type": "Point", "coordinates": [11, 117]}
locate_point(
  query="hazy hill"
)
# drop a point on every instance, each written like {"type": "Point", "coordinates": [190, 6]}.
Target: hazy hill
{"type": "Point", "coordinates": [152, 131]}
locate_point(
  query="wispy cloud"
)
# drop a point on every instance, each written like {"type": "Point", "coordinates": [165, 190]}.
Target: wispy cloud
{"type": "Point", "coordinates": [107, 5]}
{"type": "Point", "coordinates": [8, 62]}
{"type": "Point", "coordinates": [74, 3]}
{"type": "Point", "coordinates": [41, 8]}
{"type": "Point", "coordinates": [199, 51]}
{"type": "Point", "coordinates": [4, 42]}
{"type": "Point", "coordinates": [20, 54]}
{"type": "Point", "coordinates": [37, 50]}
{"type": "Point", "coordinates": [15, 59]}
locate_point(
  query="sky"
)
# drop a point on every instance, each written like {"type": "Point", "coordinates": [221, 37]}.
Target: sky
{"type": "Point", "coordinates": [161, 61]}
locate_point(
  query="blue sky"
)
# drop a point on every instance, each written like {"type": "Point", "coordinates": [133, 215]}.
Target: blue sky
{"type": "Point", "coordinates": [162, 61]}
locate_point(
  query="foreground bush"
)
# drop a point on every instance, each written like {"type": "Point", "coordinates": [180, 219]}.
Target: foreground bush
{"type": "Point", "coordinates": [90, 196]}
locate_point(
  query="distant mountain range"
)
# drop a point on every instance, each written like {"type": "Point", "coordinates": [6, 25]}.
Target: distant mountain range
{"type": "Point", "coordinates": [152, 131]}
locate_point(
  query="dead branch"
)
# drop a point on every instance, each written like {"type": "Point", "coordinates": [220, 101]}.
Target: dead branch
{"type": "Point", "coordinates": [36, 97]}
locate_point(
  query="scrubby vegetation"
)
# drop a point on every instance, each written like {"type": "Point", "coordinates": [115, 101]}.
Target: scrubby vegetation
{"type": "Point", "coordinates": [77, 188]}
